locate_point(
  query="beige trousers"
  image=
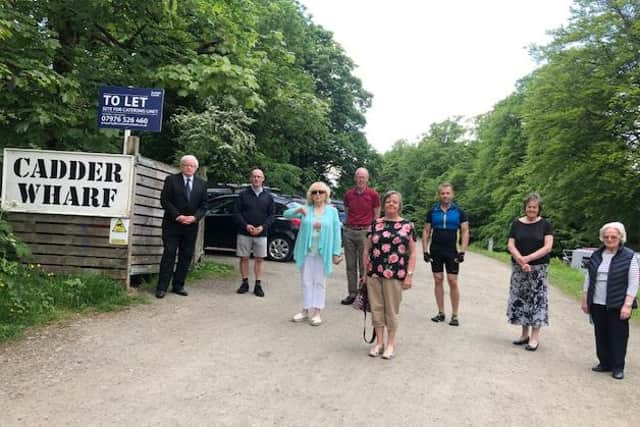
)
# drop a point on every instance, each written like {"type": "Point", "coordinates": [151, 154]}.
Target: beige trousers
{"type": "Point", "coordinates": [384, 297]}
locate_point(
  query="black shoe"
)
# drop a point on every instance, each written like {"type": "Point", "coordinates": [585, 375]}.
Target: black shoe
{"type": "Point", "coordinates": [348, 300]}
{"type": "Point", "coordinates": [438, 317]}
{"type": "Point", "coordinates": [531, 348]}
{"type": "Point", "coordinates": [521, 341]}
{"type": "Point", "coordinates": [180, 291]}
{"type": "Point", "coordinates": [160, 294]}
{"type": "Point", "coordinates": [618, 374]}
{"type": "Point", "coordinates": [257, 291]}
{"type": "Point", "coordinates": [600, 368]}
{"type": "Point", "coordinates": [243, 289]}
{"type": "Point", "coordinates": [454, 321]}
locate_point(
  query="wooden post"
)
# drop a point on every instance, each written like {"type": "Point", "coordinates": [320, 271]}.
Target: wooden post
{"type": "Point", "coordinates": [132, 146]}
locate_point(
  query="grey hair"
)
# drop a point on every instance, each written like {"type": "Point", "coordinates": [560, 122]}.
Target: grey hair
{"type": "Point", "coordinates": [363, 170]}
{"type": "Point", "coordinates": [618, 226]}
{"type": "Point", "coordinates": [189, 157]}
{"type": "Point", "coordinates": [532, 197]}
{"type": "Point", "coordinates": [392, 193]}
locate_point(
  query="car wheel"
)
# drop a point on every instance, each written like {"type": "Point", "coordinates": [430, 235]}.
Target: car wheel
{"type": "Point", "coordinates": [280, 248]}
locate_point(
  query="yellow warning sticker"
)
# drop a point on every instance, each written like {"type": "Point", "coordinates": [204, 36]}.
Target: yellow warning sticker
{"type": "Point", "coordinates": [119, 227]}
{"type": "Point", "coordinates": [119, 231]}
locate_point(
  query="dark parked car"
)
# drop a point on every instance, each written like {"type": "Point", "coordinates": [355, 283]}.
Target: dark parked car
{"type": "Point", "coordinates": [339, 205]}
{"type": "Point", "coordinates": [220, 227]}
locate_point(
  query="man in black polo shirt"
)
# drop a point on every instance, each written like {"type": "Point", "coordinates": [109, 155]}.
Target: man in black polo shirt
{"type": "Point", "coordinates": [440, 245]}
{"type": "Point", "coordinates": [254, 214]}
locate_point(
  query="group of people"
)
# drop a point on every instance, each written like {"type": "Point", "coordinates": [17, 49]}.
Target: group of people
{"type": "Point", "coordinates": [380, 249]}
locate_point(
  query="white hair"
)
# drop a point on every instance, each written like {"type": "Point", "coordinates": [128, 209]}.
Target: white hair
{"type": "Point", "coordinates": [618, 226]}
{"type": "Point", "coordinates": [366, 172]}
{"type": "Point", "coordinates": [189, 157]}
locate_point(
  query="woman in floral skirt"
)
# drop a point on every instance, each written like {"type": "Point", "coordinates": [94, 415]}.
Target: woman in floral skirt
{"type": "Point", "coordinates": [530, 242]}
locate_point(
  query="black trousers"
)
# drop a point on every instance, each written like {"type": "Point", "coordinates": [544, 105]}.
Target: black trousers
{"type": "Point", "coordinates": [611, 334]}
{"type": "Point", "coordinates": [180, 239]}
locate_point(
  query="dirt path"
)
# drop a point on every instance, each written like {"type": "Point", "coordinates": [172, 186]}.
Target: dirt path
{"type": "Point", "coordinates": [217, 358]}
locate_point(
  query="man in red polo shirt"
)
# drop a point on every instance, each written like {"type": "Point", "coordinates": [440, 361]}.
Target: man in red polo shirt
{"type": "Point", "coordinates": [362, 206]}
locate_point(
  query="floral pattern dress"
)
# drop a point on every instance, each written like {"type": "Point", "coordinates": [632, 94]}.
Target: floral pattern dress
{"type": "Point", "coordinates": [389, 248]}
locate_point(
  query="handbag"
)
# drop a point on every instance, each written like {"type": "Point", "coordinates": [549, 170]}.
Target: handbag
{"type": "Point", "coordinates": [361, 302]}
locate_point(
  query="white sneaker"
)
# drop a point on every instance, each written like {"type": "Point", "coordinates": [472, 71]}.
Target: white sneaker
{"type": "Point", "coordinates": [316, 320]}
{"type": "Point", "coordinates": [300, 317]}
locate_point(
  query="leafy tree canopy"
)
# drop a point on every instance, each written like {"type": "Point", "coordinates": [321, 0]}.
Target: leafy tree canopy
{"type": "Point", "coordinates": [246, 82]}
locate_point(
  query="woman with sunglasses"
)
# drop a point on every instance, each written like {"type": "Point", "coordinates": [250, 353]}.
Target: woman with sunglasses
{"type": "Point", "coordinates": [610, 288]}
{"type": "Point", "coordinates": [318, 246]}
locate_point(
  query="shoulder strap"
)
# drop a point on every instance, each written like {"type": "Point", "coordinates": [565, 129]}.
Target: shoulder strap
{"type": "Point", "coordinates": [364, 330]}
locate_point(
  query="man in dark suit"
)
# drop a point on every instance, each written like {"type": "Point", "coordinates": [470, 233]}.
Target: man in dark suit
{"type": "Point", "coordinates": [184, 199]}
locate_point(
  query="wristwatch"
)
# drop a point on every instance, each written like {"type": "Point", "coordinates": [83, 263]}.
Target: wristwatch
{"type": "Point", "coordinates": [409, 273]}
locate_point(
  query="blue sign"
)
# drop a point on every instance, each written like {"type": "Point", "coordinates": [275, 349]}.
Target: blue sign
{"type": "Point", "coordinates": [130, 108]}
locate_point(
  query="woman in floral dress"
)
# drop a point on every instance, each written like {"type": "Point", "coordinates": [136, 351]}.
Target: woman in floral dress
{"type": "Point", "coordinates": [390, 257]}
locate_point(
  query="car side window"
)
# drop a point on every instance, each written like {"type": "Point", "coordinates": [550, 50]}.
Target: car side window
{"type": "Point", "coordinates": [222, 207]}
{"type": "Point", "coordinates": [280, 208]}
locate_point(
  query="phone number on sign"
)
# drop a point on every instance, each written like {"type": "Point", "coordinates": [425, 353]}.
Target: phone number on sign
{"type": "Point", "coordinates": [108, 118]}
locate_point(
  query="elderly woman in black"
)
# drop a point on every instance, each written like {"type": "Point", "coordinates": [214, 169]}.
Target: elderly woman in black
{"type": "Point", "coordinates": [530, 241]}
{"type": "Point", "coordinates": [610, 288]}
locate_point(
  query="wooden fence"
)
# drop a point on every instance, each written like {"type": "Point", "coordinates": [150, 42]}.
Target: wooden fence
{"type": "Point", "coordinates": [80, 244]}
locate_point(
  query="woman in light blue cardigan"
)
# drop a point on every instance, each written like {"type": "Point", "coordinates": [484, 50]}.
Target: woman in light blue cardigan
{"type": "Point", "coordinates": [318, 246]}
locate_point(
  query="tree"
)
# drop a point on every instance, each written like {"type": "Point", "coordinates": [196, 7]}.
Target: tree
{"type": "Point", "coordinates": [581, 119]}
{"type": "Point", "coordinates": [273, 86]}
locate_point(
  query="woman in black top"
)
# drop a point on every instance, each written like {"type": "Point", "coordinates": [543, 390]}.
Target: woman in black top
{"type": "Point", "coordinates": [530, 241]}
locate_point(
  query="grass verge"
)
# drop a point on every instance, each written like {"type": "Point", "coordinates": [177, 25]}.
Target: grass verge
{"type": "Point", "coordinates": [568, 280]}
{"type": "Point", "coordinates": [201, 271]}
{"type": "Point", "coordinates": [31, 297]}
{"type": "Point", "coordinates": [210, 269]}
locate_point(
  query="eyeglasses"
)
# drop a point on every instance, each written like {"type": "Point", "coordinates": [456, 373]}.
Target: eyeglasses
{"type": "Point", "coordinates": [315, 192]}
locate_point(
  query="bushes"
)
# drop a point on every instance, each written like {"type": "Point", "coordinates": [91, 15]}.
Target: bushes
{"type": "Point", "coordinates": [11, 247]}
{"type": "Point", "coordinates": [29, 296]}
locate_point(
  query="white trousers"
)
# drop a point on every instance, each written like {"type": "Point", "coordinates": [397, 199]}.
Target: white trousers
{"type": "Point", "coordinates": [313, 282]}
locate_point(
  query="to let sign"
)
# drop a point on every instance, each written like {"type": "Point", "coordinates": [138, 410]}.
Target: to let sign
{"type": "Point", "coordinates": [67, 183]}
{"type": "Point", "coordinates": [130, 108]}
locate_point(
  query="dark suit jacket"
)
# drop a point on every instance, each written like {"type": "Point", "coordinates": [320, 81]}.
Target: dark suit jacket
{"type": "Point", "coordinates": [174, 200]}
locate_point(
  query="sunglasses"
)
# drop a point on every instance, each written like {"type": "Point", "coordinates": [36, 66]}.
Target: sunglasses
{"type": "Point", "coordinates": [314, 192]}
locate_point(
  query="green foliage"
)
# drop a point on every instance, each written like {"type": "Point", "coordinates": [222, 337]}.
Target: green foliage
{"type": "Point", "coordinates": [243, 80]}
{"type": "Point", "coordinates": [217, 137]}
{"type": "Point", "coordinates": [568, 280]}
{"type": "Point", "coordinates": [11, 246]}
{"type": "Point", "coordinates": [416, 170]}
{"type": "Point", "coordinates": [29, 296]}
{"type": "Point", "coordinates": [209, 269]}
{"type": "Point", "coordinates": [570, 131]}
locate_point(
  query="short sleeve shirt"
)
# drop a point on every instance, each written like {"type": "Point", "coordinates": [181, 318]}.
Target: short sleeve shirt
{"type": "Point", "coordinates": [360, 206]}
{"type": "Point", "coordinates": [389, 248]}
{"type": "Point", "coordinates": [445, 226]}
{"type": "Point", "coordinates": [530, 237]}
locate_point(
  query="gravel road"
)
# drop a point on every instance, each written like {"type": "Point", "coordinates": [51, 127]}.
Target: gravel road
{"type": "Point", "coordinates": [217, 358]}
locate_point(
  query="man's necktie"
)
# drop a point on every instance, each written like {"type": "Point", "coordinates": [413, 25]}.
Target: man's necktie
{"type": "Point", "coordinates": [187, 189]}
